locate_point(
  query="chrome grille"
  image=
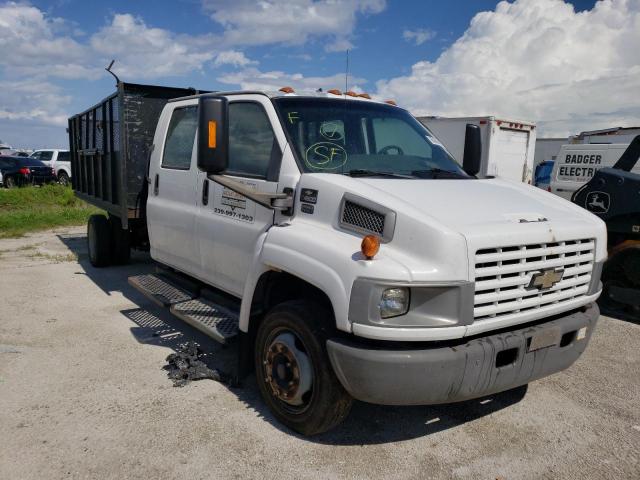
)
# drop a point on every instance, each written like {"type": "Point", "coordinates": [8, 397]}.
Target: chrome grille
{"type": "Point", "coordinates": [362, 217]}
{"type": "Point", "coordinates": [503, 274]}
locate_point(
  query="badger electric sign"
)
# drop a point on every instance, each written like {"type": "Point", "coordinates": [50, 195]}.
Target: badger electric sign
{"type": "Point", "coordinates": [579, 167]}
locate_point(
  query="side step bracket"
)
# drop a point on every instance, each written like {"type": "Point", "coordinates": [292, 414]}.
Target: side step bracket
{"type": "Point", "coordinates": [218, 322]}
{"type": "Point", "coordinates": [157, 288]}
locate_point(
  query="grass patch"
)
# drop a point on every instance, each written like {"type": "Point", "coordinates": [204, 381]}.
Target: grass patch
{"type": "Point", "coordinates": [30, 209]}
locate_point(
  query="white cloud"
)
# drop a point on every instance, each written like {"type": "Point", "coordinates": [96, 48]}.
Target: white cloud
{"type": "Point", "coordinates": [33, 100]}
{"type": "Point", "coordinates": [536, 60]}
{"type": "Point", "coordinates": [294, 22]}
{"type": "Point", "coordinates": [234, 58]}
{"type": "Point", "coordinates": [33, 44]}
{"type": "Point", "coordinates": [147, 52]}
{"type": "Point", "coordinates": [419, 36]}
{"type": "Point", "coordinates": [254, 79]}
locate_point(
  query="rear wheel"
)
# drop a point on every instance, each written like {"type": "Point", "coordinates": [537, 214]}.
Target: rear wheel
{"type": "Point", "coordinates": [121, 247]}
{"type": "Point", "coordinates": [293, 370]}
{"type": "Point", "coordinates": [10, 182]}
{"type": "Point", "coordinates": [63, 178]}
{"type": "Point", "coordinates": [99, 240]}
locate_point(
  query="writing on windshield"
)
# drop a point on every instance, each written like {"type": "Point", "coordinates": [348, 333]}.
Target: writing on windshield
{"type": "Point", "coordinates": [339, 136]}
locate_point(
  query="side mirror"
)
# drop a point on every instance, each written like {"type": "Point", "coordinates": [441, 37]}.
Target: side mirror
{"type": "Point", "coordinates": [213, 134]}
{"type": "Point", "coordinates": [472, 150]}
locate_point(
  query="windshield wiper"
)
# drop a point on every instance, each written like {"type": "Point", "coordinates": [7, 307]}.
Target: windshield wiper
{"type": "Point", "coordinates": [359, 172]}
{"type": "Point", "coordinates": [439, 173]}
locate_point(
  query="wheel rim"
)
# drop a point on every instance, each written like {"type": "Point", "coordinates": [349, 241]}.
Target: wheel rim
{"type": "Point", "coordinates": [64, 180]}
{"type": "Point", "coordinates": [287, 370]}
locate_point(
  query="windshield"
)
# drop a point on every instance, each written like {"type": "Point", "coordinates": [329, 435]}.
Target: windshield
{"type": "Point", "coordinates": [362, 138]}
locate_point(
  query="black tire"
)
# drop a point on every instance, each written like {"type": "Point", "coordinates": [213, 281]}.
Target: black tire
{"type": "Point", "coordinates": [63, 178]}
{"type": "Point", "coordinates": [121, 244]}
{"type": "Point", "coordinates": [326, 403]}
{"type": "Point", "coordinates": [99, 240]}
{"type": "Point", "coordinates": [10, 182]}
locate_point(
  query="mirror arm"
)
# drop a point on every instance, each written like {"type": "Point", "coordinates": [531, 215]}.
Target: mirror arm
{"type": "Point", "coordinates": [274, 201]}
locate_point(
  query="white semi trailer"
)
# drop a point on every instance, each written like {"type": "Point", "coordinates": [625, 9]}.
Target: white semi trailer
{"type": "Point", "coordinates": [508, 146]}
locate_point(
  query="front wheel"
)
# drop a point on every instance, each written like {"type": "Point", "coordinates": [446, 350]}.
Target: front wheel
{"type": "Point", "coordinates": [293, 370]}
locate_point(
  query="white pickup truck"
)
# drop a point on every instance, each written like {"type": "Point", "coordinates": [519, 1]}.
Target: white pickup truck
{"type": "Point", "coordinates": [342, 245]}
{"type": "Point", "coordinates": [57, 159]}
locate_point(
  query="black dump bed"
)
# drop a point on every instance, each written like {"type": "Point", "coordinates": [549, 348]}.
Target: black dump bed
{"type": "Point", "coordinates": [110, 145]}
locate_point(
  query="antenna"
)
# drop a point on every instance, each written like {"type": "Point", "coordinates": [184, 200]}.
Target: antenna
{"type": "Point", "coordinates": [108, 69]}
{"type": "Point", "coordinates": [346, 75]}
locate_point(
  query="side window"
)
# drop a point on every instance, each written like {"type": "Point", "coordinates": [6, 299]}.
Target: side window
{"type": "Point", "coordinates": [250, 139]}
{"type": "Point", "coordinates": [36, 155]}
{"type": "Point", "coordinates": [46, 155]}
{"type": "Point", "coordinates": [181, 135]}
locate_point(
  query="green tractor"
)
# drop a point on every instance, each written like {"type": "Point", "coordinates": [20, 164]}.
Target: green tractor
{"type": "Point", "coordinates": [613, 194]}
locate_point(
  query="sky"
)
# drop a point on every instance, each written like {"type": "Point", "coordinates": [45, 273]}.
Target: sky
{"type": "Point", "coordinates": [568, 66]}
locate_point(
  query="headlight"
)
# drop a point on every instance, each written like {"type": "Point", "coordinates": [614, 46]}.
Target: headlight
{"type": "Point", "coordinates": [394, 302]}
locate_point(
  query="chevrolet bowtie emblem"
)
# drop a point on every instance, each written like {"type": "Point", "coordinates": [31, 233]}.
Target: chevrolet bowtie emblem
{"type": "Point", "coordinates": [545, 279]}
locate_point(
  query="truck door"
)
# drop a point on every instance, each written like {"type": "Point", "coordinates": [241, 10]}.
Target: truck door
{"type": "Point", "coordinates": [172, 201]}
{"type": "Point", "coordinates": [229, 224]}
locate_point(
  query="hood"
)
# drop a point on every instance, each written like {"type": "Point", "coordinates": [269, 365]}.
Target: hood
{"type": "Point", "coordinates": [469, 205]}
{"type": "Point", "coordinates": [432, 216]}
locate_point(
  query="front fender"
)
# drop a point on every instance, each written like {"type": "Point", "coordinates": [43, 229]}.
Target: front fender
{"type": "Point", "coordinates": [324, 257]}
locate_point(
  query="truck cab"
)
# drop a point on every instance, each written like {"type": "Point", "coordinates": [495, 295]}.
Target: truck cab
{"type": "Point", "coordinates": [363, 260]}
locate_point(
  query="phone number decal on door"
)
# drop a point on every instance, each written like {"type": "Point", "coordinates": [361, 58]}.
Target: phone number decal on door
{"type": "Point", "coordinates": [233, 205]}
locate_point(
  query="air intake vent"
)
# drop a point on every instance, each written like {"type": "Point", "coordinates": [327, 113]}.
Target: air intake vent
{"type": "Point", "coordinates": [363, 218]}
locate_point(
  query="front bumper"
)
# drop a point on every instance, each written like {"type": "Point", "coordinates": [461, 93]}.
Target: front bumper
{"type": "Point", "coordinates": [453, 373]}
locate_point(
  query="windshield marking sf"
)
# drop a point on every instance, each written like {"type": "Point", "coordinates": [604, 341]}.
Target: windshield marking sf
{"type": "Point", "coordinates": [325, 156]}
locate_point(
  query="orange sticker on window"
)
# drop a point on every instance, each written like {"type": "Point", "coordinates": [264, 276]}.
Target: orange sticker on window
{"type": "Point", "coordinates": [212, 134]}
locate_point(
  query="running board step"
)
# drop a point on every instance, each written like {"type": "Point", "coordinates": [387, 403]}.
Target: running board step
{"type": "Point", "coordinates": [218, 322]}
{"type": "Point", "coordinates": [157, 288]}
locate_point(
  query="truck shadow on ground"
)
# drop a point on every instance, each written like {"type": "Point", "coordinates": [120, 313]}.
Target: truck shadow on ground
{"type": "Point", "coordinates": [366, 424]}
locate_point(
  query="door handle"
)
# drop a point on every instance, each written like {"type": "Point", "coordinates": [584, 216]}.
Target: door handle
{"type": "Point", "coordinates": [156, 186]}
{"type": "Point", "coordinates": [205, 192]}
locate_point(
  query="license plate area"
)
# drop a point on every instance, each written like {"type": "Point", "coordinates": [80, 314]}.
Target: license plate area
{"type": "Point", "coordinates": [548, 337]}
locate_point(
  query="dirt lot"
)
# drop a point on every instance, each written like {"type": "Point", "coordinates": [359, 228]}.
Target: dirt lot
{"type": "Point", "coordinates": [83, 395]}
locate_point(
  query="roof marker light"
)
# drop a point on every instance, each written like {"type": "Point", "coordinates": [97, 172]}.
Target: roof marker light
{"type": "Point", "coordinates": [391, 102]}
{"type": "Point", "coordinates": [335, 91]}
{"type": "Point", "coordinates": [287, 90]}
{"type": "Point", "coordinates": [365, 95]}
{"type": "Point", "coordinates": [351, 93]}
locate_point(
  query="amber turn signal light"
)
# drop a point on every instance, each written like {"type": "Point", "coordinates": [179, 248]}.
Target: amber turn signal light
{"type": "Point", "coordinates": [212, 134]}
{"type": "Point", "coordinates": [287, 90]}
{"type": "Point", "coordinates": [370, 246]}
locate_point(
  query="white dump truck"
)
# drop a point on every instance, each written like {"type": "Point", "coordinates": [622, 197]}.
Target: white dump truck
{"type": "Point", "coordinates": [508, 146]}
{"type": "Point", "coordinates": [339, 244]}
